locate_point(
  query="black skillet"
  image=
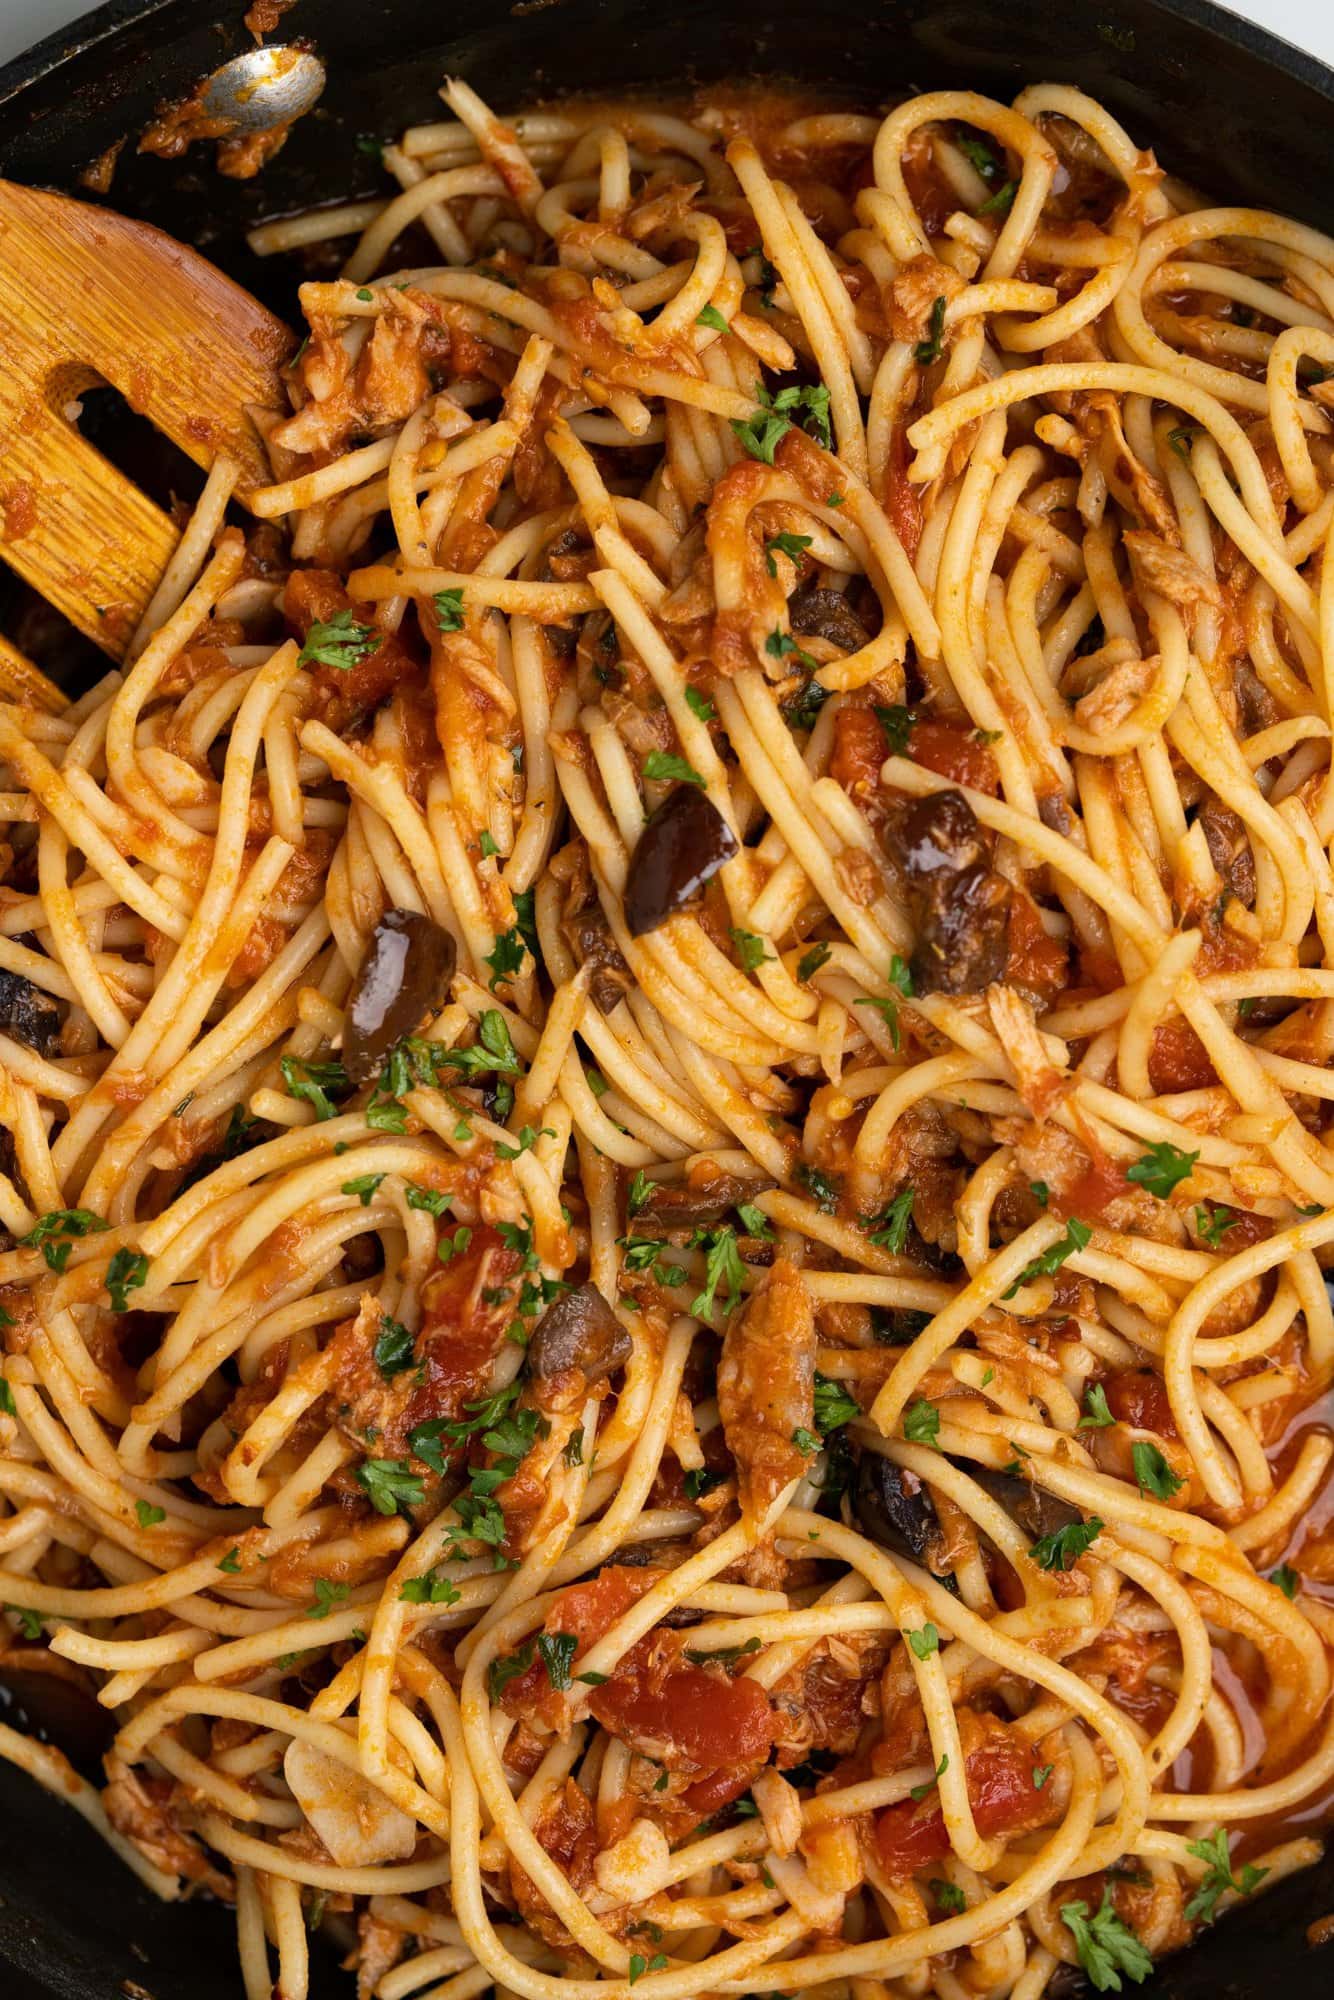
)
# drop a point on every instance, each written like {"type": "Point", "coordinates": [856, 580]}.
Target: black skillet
{"type": "Point", "coordinates": [1224, 104]}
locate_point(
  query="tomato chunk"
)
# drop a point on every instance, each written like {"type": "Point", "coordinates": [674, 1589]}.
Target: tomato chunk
{"type": "Point", "coordinates": [587, 1610]}
{"type": "Point", "coordinates": [1178, 1059]}
{"type": "Point", "coordinates": [860, 748]}
{"type": "Point", "coordinates": [1001, 1790]}
{"type": "Point", "coordinates": [690, 1719]}
{"type": "Point", "coordinates": [317, 597]}
{"type": "Point", "coordinates": [952, 750]}
{"type": "Point", "coordinates": [1138, 1396]}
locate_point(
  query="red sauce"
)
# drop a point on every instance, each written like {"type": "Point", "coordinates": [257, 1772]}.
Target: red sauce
{"type": "Point", "coordinates": [952, 750]}
{"type": "Point", "coordinates": [1092, 1191]}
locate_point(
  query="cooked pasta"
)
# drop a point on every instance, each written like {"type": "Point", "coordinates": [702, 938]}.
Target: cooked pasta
{"type": "Point", "coordinates": [664, 1055]}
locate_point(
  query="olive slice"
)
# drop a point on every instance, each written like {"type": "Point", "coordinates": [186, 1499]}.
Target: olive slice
{"type": "Point", "coordinates": [402, 980]}
{"type": "Point", "coordinates": [695, 1204]}
{"type": "Point", "coordinates": [894, 1508]}
{"type": "Point", "coordinates": [579, 1331]}
{"type": "Point", "coordinates": [29, 1015]}
{"type": "Point", "coordinates": [683, 843]}
{"type": "Point", "coordinates": [1037, 1512]}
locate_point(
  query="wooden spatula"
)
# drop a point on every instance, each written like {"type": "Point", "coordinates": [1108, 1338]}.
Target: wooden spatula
{"type": "Point", "coordinates": [90, 297]}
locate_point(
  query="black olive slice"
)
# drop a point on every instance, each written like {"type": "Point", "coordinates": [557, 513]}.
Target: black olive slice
{"type": "Point", "coordinates": [580, 1331]}
{"type": "Point", "coordinates": [1038, 1513]}
{"type": "Point", "coordinates": [683, 843]}
{"type": "Point", "coordinates": [29, 1015]}
{"type": "Point", "coordinates": [403, 979]}
{"type": "Point", "coordinates": [894, 1508]}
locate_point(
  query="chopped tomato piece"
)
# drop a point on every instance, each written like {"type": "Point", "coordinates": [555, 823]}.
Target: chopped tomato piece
{"type": "Point", "coordinates": [587, 1610]}
{"type": "Point", "coordinates": [1138, 1396]}
{"type": "Point", "coordinates": [316, 597]}
{"type": "Point", "coordinates": [690, 1719]}
{"type": "Point", "coordinates": [952, 750]}
{"type": "Point", "coordinates": [1036, 962]}
{"type": "Point", "coordinates": [1178, 1059]}
{"type": "Point", "coordinates": [860, 749]}
{"type": "Point", "coordinates": [902, 500]}
{"type": "Point", "coordinates": [1001, 1790]}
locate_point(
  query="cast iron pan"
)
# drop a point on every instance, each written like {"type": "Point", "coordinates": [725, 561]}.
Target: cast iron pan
{"type": "Point", "coordinates": [1225, 105]}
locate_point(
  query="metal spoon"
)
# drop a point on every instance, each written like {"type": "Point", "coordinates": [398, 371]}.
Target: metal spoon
{"type": "Point", "coordinates": [264, 87]}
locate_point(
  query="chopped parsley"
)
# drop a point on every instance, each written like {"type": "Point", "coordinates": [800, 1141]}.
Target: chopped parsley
{"type": "Point", "coordinates": [1153, 1474]}
{"type": "Point", "coordinates": [429, 1589]}
{"type": "Point", "coordinates": [1077, 1237]}
{"type": "Point", "coordinates": [1212, 1222]}
{"type": "Point", "coordinates": [661, 764]}
{"type": "Point", "coordinates": [231, 1562]}
{"type": "Point", "coordinates": [1106, 1946]}
{"type": "Point", "coordinates": [311, 1082]}
{"type": "Point", "coordinates": [339, 642]}
{"type": "Point", "coordinates": [1062, 1549]}
{"type": "Point", "coordinates": [897, 723]}
{"type": "Point", "coordinates": [921, 1423]}
{"type": "Point", "coordinates": [448, 605]}
{"type": "Point", "coordinates": [433, 1200]}
{"type": "Point", "coordinates": [919, 1792]}
{"type": "Point", "coordinates": [1162, 1168]}
{"type": "Point", "coordinates": [782, 646]}
{"type": "Point", "coordinates": [822, 1188]}
{"type": "Point", "coordinates": [811, 961]}
{"type": "Point", "coordinates": [363, 1187]}
{"type": "Point", "coordinates": [928, 350]}
{"type": "Point", "coordinates": [699, 705]}
{"type": "Point", "coordinates": [149, 1515]}
{"type": "Point", "coordinates": [1096, 1415]}
{"type": "Point", "coordinates": [833, 1405]}
{"type": "Point", "coordinates": [507, 958]}
{"type": "Point", "coordinates": [388, 1484]}
{"type": "Point", "coordinates": [1286, 1579]}
{"type": "Point", "coordinates": [890, 1230]}
{"type": "Point", "coordinates": [556, 1650]}
{"type": "Point", "coordinates": [326, 1596]}
{"type": "Point", "coordinates": [393, 1348]}
{"type": "Point", "coordinates": [57, 1224]}
{"type": "Point", "coordinates": [791, 546]}
{"type": "Point", "coordinates": [1218, 1876]}
{"type": "Point", "coordinates": [924, 1642]}
{"type": "Point", "coordinates": [710, 316]}
{"type": "Point", "coordinates": [127, 1271]}
{"type": "Point", "coordinates": [750, 950]}
{"type": "Point", "coordinates": [723, 1271]}
{"type": "Point", "coordinates": [948, 1896]}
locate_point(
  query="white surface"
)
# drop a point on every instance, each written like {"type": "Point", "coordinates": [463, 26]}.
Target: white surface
{"type": "Point", "coordinates": [1309, 23]}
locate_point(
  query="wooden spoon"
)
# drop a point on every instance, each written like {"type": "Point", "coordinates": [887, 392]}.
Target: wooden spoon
{"type": "Point", "coordinates": [90, 297]}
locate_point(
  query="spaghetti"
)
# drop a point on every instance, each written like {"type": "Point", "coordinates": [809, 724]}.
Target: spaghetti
{"type": "Point", "coordinates": [667, 1184]}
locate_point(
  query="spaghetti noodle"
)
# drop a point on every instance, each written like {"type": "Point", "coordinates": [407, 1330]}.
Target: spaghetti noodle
{"type": "Point", "coordinates": [667, 1180]}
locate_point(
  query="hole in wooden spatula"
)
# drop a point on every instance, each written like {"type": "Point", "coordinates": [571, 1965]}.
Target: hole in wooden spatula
{"type": "Point", "coordinates": [137, 448]}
